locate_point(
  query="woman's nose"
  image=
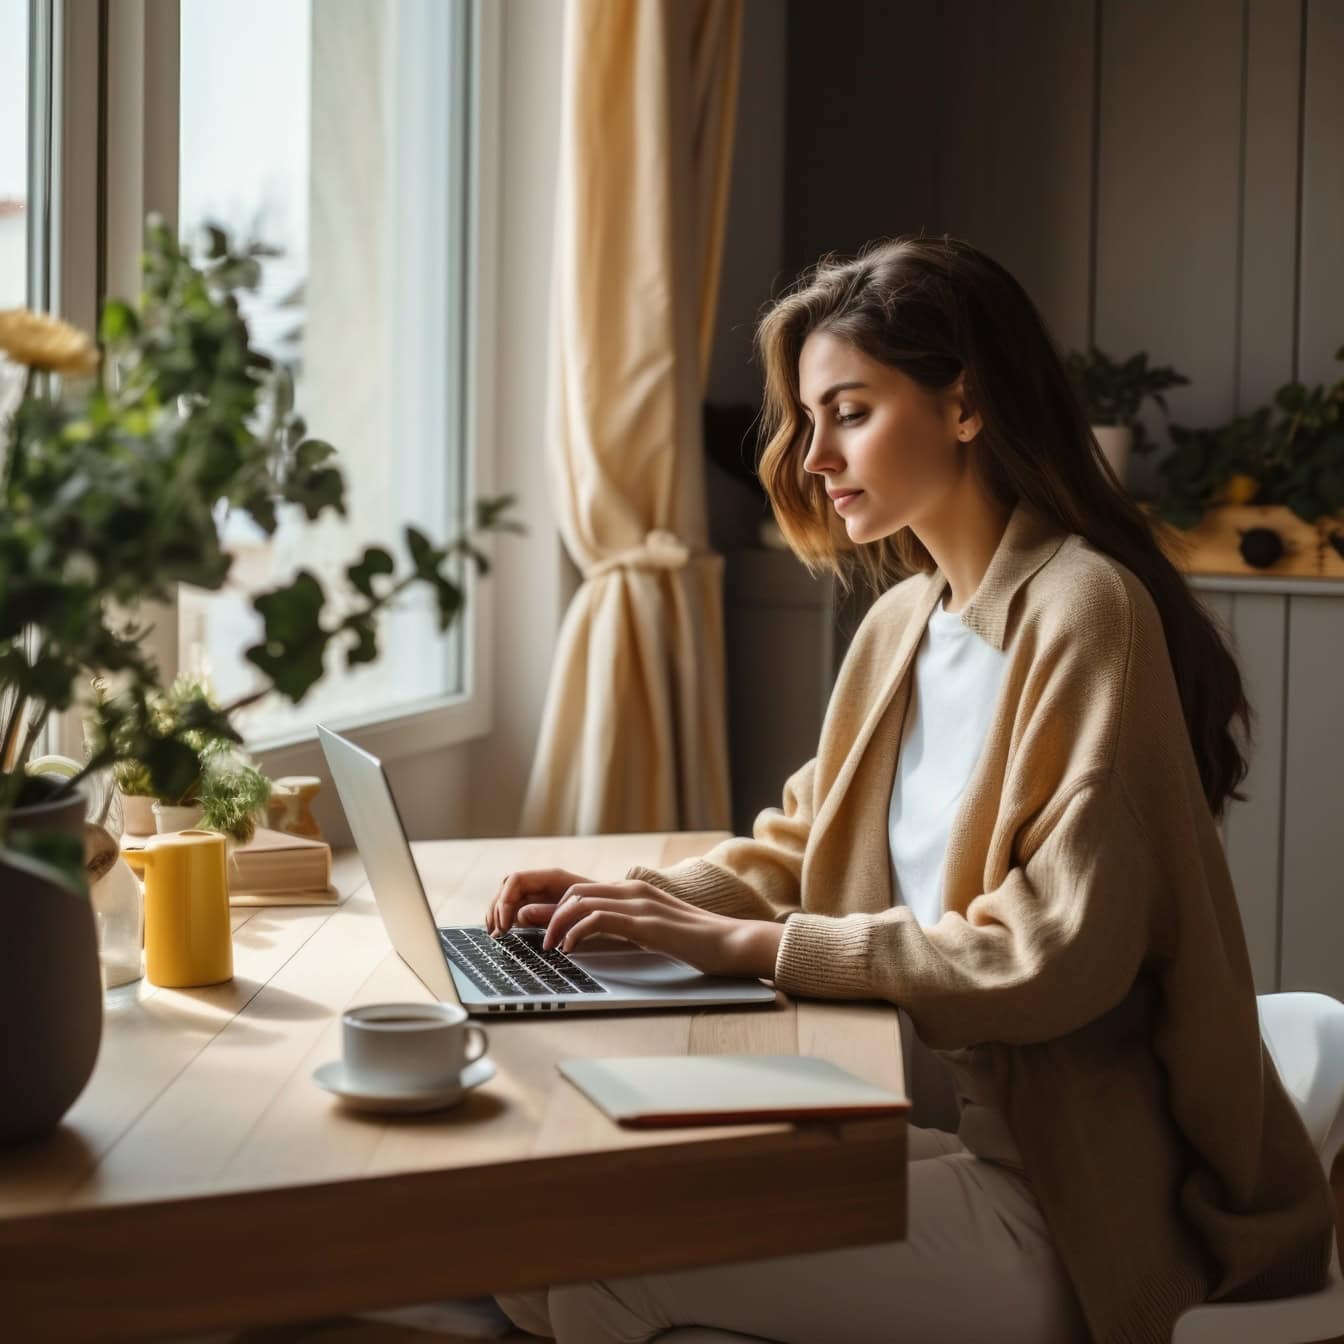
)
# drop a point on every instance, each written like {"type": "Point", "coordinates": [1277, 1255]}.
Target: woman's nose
{"type": "Point", "coordinates": [820, 455]}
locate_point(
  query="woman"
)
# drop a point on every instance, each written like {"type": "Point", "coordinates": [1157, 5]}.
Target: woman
{"type": "Point", "coordinates": [1009, 832]}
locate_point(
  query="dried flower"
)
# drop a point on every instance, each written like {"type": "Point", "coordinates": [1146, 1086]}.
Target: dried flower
{"type": "Point", "coordinates": [44, 342]}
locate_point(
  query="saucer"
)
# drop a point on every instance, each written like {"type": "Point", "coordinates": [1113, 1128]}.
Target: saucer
{"type": "Point", "coordinates": [333, 1077]}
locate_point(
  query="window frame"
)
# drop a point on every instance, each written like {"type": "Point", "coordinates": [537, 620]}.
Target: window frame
{"type": "Point", "coordinates": [65, 171]}
{"type": "Point", "coordinates": [142, 48]}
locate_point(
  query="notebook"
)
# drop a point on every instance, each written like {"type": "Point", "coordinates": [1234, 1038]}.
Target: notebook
{"type": "Point", "coordinates": [724, 1089]}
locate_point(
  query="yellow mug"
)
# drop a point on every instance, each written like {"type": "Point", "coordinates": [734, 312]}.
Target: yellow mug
{"type": "Point", "coordinates": [188, 935]}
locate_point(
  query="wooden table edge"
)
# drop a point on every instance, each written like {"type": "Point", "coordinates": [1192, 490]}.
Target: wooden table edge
{"type": "Point", "coordinates": [428, 1234]}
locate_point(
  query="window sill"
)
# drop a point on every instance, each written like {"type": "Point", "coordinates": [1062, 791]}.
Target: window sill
{"type": "Point", "coordinates": [406, 731]}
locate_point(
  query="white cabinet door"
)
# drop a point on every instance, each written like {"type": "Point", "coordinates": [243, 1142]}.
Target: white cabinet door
{"type": "Point", "coordinates": [1312, 955]}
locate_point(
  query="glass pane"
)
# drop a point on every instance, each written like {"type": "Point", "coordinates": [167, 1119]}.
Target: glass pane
{"type": "Point", "coordinates": [336, 140]}
{"type": "Point", "coordinates": [13, 153]}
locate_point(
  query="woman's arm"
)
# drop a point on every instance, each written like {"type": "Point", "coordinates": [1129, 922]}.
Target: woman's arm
{"type": "Point", "coordinates": [757, 877]}
{"type": "Point", "coordinates": [1057, 943]}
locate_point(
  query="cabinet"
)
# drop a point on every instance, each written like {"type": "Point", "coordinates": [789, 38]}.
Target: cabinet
{"type": "Point", "coordinates": [1285, 843]}
{"type": "Point", "coordinates": [787, 633]}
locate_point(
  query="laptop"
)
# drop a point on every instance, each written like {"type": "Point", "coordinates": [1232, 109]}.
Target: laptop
{"type": "Point", "coordinates": [512, 974]}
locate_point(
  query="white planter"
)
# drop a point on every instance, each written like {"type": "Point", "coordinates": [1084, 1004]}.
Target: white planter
{"type": "Point", "coordinates": [172, 817]}
{"type": "Point", "coordinates": [1115, 442]}
{"type": "Point", "coordinates": [137, 813]}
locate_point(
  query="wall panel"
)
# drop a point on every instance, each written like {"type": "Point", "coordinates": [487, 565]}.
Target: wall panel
{"type": "Point", "coordinates": [1321, 327]}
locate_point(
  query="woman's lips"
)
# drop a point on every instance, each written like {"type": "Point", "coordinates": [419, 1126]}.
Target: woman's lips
{"type": "Point", "coordinates": [842, 499]}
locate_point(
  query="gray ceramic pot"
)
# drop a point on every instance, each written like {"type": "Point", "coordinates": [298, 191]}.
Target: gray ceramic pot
{"type": "Point", "coordinates": [51, 997]}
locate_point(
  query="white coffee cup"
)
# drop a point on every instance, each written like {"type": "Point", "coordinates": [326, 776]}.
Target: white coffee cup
{"type": "Point", "coordinates": [408, 1047]}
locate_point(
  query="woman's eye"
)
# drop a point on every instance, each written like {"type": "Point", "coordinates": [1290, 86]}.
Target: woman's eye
{"type": "Point", "coordinates": [849, 418]}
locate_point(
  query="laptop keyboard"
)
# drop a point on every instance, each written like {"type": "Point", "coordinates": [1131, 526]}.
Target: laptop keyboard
{"type": "Point", "coordinates": [514, 964]}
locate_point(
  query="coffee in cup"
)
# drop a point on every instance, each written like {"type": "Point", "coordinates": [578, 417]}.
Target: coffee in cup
{"type": "Point", "coordinates": [408, 1047]}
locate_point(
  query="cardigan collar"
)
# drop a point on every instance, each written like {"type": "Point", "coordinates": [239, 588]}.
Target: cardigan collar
{"type": "Point", "coordinates": [1028, 541]}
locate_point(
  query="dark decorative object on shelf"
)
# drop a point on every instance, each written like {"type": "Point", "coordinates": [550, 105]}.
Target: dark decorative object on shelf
{"type": "Point", "coordinates": [1261, 547]}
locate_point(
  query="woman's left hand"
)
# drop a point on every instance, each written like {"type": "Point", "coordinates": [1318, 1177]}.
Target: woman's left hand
{"type": "Point", "coordinates": [660, 922]}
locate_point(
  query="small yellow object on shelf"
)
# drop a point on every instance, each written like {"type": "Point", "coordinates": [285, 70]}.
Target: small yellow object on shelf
{"type": "Point", "coordinates": [1239, 489]}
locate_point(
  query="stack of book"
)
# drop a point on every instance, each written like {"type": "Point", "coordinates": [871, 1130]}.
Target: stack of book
{"type": "Point", "coordinates": [275, 868]}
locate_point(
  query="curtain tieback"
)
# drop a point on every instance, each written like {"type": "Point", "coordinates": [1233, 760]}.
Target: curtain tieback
{"type": "Point", "coordinates": [659, 550]}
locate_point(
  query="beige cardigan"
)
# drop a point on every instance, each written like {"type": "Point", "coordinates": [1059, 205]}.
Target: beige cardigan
{"type": "Point", "coordinates": [1090, 955]}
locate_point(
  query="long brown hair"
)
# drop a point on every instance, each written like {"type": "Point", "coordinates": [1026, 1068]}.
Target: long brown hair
{"type": "Point", "coordinates": [937, 307]}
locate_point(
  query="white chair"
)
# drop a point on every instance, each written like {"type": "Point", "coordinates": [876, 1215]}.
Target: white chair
{"type": "Point", "coordinates": [1305, 1036]}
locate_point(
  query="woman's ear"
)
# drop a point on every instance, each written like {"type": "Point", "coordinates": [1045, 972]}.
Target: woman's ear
{"type": "Point", "coordinates": [966, 421]}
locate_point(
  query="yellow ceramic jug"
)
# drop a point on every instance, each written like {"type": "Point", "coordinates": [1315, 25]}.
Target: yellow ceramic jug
{"type": "Point", "coordinates": [188, 937]}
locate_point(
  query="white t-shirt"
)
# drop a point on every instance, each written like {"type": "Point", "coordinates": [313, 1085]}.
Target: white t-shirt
{"type": "Point", "coordinates": [952, 697]}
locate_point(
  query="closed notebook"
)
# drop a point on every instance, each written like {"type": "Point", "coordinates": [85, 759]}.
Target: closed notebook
{"type": "Point", "coordinates": [724, 1089]}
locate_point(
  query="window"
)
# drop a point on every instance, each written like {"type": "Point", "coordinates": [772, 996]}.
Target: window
{"type": "Point", "coordinates": [343, 138]}
{"type": "Point", "coordinates": [14, 153]}
{"type": "Point", "coordinates": [48, 188]}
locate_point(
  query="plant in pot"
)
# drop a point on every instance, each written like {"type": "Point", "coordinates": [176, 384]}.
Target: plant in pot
{"type": "Point", "coordinates": [116, 480]}
{"type": "Point", "coordinates": [1281, 462]}
{"type": "Point", "coordinates": [1113, 393]}
{"type": "Point", "coordinates": [226, 793]}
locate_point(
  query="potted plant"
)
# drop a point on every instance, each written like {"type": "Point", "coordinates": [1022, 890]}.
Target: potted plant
{"type": "Point", "coordinates": [1274, 476]}
{"type": "Point", "coordinates": [115, 478]}
{"type": "Point", "coordinates": [225, 794]}
{"type": "Point", "coordinates": [1113, 394]}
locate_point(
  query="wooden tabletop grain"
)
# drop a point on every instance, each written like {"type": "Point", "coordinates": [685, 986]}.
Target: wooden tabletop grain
{"type": "Point", "coordinates": [202, 1180]}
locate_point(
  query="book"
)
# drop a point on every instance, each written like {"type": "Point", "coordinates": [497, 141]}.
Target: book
{"type": "Point", "coordinates": [644, 1091]}
{"type": "Point", "coordinates": [273, 862]}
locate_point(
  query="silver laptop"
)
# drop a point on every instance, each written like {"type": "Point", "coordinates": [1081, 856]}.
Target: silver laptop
{"type": "Point", "coordinates": [511, 974]}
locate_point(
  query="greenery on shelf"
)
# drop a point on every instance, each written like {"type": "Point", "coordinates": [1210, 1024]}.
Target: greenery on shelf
{"type": "Point", "coordinates": [233, 795]}
{"type": "Point", "coordinates": [230, 789]}
{"type": "Point", "coordinates": [1113, 392]}
{"type": "Point", "coordinates": [116, 480]}
{"type": "Point", "coordinates": [1290, 452]}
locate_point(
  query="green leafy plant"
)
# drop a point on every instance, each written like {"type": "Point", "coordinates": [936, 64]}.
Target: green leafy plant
{"type": "Point", "coordinates": [114, 490]}
{"type": "Point", "coordinates": [233, 794]}
{"type": "Point", "coordinates": [1290, 452]}
{"type": "Point", "coordinates": [165, 720]}
{"type": "Point", "coordinates": [1114, 392]}
{"type": "Point", "coordinates": [228, 786]}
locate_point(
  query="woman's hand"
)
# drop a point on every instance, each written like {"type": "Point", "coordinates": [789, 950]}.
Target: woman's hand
{"type": "Point", "coordinates": [537, 892]}
{"type": "Point", "coordinates": [572, 908]}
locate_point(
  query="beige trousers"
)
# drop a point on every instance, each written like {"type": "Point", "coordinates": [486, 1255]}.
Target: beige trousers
{"type": "Point", "coordinates": [977, 1265]}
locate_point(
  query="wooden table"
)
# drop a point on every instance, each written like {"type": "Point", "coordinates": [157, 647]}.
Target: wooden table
{"type": "Point", "coordinates": [203, 1180]}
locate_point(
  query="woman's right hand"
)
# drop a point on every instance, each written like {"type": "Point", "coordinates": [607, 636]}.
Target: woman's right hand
{"type": "Point", "coordinates": [528, 898]}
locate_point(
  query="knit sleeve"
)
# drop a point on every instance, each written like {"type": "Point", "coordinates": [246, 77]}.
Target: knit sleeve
{"type": "Point", "coordinates": [1057, 943]}
{"type": "Point", "coordinates": [751, 878]}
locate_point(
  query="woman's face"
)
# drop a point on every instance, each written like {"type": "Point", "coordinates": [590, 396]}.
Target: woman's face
{"type": "Point", "coordinates": [889, 450]}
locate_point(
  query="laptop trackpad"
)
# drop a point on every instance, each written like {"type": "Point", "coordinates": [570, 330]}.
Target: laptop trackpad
{"type": "Point", "coordinates": [636, 968]}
